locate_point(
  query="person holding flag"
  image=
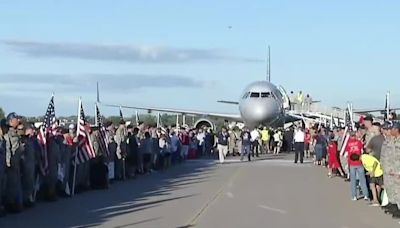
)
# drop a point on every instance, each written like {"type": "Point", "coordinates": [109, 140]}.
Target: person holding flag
{"type": "Point", "coordinates": [84, 151]}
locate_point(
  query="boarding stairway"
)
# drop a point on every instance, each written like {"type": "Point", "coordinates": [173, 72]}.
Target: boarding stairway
{"type": "Point", "coordinates": [319, 113]}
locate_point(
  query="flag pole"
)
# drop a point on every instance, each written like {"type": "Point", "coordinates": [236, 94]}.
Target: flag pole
{"type": "Point", "coordinates": [387, 105]}
{"type": "Point", "coordinates": [76, 149]}
{"type": "Point", "coordinates": [158, 120]}
{"type": "Point", "coordinates": [95, 115]}
{"type": "Point", "coordinates": [137, 118]}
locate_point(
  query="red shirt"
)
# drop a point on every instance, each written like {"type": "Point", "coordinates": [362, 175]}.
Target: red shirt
{"type": "Point", "coordinates": [184, 138]}
{"type": "Point", "coordinates": [69, 139]}
{"type": "Point", "coordinates": [307, 138]}
{"type": "Point", "coordinates": [354, 146]}
{"type": "Point", "coordinates": [332, 149]}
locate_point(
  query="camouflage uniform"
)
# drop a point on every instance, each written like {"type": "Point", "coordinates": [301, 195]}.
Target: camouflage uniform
{"type": "Point", "coordinates": [232, 143]}
{"type": "Point", "coordinates": [368, 136]}
{"type": "Point", "coordinates": [14, 150]}
{"type": "Point", "coordinates": [396, 172]}
{"type": "Point", "coordinates": [387, 155]}
{"type": "Point", "coordinates": [2, 170]}
{"type": "Point", "coordinates": [120, 139]}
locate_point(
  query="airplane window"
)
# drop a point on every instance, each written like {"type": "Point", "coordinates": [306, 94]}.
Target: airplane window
{"type": "Point", "coordinates": [246, 95]}
{"type": "Point", "coordinates": [266, 95]}
{"type": "Point", "coordinates": [255, 95]}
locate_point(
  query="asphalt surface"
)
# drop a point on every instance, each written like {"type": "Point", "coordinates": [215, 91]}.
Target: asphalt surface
{"type": "Point", "coordinates": [270, 192]}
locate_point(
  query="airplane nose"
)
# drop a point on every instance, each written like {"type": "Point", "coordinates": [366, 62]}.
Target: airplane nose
{"type": "Point", "coordinates": [258, 112]}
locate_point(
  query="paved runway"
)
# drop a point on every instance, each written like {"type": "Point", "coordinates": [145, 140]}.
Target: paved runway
{"type": "Point", "coordinates": [271, 192]}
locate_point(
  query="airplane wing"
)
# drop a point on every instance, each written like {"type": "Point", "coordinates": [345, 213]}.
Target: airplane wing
{"type": "Point", "coordinates": [362, 111]}
{"type": "Point", "coordinates": [228, 102]}
{"type": "Point", "coordinates": [235, 117]}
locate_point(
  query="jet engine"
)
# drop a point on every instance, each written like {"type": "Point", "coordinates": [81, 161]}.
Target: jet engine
{"type": "Point", "coordinates": [201, 123]}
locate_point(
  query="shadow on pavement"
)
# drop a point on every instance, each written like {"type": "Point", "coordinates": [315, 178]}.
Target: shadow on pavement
{"type": "Point", "coordinates": [93, 208]}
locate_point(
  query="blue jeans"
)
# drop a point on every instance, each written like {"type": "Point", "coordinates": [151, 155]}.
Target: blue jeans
{"type": "Point", "coordinates": [245, 151]}
{"type": "Point", "coordinates": [358, 171]}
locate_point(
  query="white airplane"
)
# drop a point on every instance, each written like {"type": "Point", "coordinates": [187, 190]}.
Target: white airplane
{"type": "Point", "coordinates": [261, 103]}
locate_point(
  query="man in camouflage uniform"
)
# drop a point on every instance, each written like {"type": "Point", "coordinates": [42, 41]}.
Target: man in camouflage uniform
{"type": "Point", "coordinates": [387, 165]}
{"type": "Point", "coordinates": [14, 149]}
{"type": "Point", "coordinates": [3, 131]}
{"type": "Point", "coordinates": [120, 138]}
{"type": "Point", "coordinates": [394, 168]}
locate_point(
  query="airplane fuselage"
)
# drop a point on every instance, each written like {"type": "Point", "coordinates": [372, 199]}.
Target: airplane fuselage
{"type": "Point", "coordinates": [261, 104]}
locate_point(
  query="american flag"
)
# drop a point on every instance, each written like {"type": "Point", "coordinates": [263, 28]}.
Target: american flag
{"type": "Point", "coordinates": [347, 120]}
{"type": "Point", "coordinates": [85, 147]}
{"type": "Point", "coordinates": [48, 127]}
{"type": "Point", "coordinates": [103, 136]}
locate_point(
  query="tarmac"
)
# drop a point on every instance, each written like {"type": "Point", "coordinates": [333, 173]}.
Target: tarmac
{"type": "Point", "coordinates": [269, 192]}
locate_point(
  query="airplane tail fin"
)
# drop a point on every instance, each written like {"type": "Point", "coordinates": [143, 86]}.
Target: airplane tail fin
{"type": "Point", "coordinates": [269, 65]}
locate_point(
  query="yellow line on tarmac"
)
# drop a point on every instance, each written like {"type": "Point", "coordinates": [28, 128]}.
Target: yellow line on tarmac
{"type": "Point", "coordinates": [192, 222]}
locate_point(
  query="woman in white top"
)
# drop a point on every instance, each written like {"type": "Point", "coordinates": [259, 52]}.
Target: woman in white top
{"type": "Point", "coordinates": [277, 142]}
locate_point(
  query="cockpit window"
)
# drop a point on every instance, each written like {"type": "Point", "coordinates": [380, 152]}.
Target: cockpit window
{"type": "Point", "coordinates": [266, 95]}
{"type": "Point", "coordinates": [255, 95]}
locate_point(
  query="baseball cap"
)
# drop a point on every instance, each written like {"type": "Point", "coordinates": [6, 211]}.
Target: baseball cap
{"type": "Point", "coordinates": [387, 125]}
{"type": "Point", "coordinates": [12, 115]}
{"type": "Point", "coordinates": [369, 118]}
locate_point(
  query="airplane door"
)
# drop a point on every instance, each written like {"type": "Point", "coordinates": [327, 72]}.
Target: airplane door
{"type": "Point", "coordinates": [286, 100]}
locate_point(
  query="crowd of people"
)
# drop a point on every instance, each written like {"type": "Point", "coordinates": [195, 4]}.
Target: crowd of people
{"type": "Point", "coordinates": [366, 156]}
{"type": "Point", "coordinates": [30, 173]}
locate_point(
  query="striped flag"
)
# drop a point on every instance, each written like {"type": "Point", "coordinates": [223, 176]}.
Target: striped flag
{"type": "Point", "coordinates": [347, 121]}
{"type": "Point", "coordinates": [85, 147]}
{"type": "Point", "coordinates": [103, 136]}
{"type": "Point", "coordinates": [47, 129]}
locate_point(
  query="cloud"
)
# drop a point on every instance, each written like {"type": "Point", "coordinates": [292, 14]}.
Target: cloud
{"type": "Point", "coordinates": [29, 93]}
{"type": "Point", "coordinates": [121, 53]}
{"type": "Point", "coordinates": [118, 83]}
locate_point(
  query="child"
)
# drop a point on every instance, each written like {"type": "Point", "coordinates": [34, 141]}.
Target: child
{"type": "Point", "coordinates": [333, 162]}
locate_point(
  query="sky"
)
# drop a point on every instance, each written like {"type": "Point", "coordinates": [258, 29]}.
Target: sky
{"type": "Point", "coordinates": [189, 54]}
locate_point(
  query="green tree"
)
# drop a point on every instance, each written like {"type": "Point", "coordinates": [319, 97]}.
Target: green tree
{"type": "Point", "coordinates": [2, 115]}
